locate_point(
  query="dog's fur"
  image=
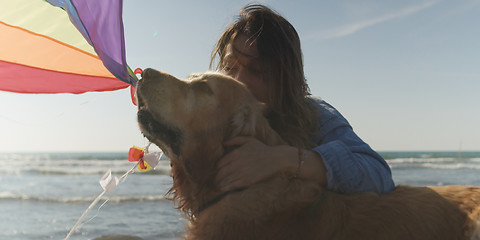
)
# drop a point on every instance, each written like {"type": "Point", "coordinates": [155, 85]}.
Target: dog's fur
{"type": "Point", "coordinates": [190, 119]}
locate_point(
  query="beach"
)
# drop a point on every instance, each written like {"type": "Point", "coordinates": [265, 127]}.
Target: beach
{"type": "Point", "coordinates": [43, 194]}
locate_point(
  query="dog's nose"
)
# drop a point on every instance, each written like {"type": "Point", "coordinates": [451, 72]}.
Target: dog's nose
{"type": "Point", "coordinates": [146, 73]}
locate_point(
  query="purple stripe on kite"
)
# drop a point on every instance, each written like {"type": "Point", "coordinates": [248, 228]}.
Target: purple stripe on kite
{"type": "Point", "coordinates": [100, 23]}
{"type": "Point", "coordinates": [103, 22]}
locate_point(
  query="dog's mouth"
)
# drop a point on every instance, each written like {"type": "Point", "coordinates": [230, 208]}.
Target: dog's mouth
{"type": "Point", "coordinates": [165, 135]}
{"type": "Point", "coordinates": [138, 97]}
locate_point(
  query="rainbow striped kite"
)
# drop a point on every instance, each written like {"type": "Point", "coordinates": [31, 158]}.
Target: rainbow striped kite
{"type": "Point", "coordinates": [62, 46]}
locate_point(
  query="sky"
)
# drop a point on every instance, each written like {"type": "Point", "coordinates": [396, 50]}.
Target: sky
{"type": "Point", "coordinates": [405, 74]}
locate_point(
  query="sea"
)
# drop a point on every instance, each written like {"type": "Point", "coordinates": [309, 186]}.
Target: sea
{"type": "Point", "coordinates": [42, 195]}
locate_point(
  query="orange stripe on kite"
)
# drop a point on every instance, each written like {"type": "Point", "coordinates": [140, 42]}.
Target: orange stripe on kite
{"type": "Point", "coordinates": [24, 47]}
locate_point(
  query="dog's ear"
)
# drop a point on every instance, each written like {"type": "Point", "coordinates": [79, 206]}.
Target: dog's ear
{"type": "Point", "coordinates": [249, 120]}
{"type": "Point", "coordinates": [243, 122]}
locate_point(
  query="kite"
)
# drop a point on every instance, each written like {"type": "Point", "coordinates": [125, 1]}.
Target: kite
{"type": "Point", "coordinates": [62, 46]}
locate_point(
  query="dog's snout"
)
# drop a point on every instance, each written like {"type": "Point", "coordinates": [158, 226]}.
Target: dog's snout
{"type": "Point", "coordinates": [146, 72]}
{"type": "Point", "coordinates": [152, 75]}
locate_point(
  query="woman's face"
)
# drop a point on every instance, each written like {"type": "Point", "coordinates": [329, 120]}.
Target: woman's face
{"type": "Point", "coordinates": [242, 62]}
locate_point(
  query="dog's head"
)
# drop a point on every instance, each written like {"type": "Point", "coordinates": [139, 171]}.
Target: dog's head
{"type": "Point", "coordinates": [190, 119]}
{"type": "Point", "coordinates": [174, 113]}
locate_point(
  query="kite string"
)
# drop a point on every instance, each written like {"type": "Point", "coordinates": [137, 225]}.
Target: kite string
{"type": "Point", "coordinates": [84, 214]}
{"type": "Point", "coordinates": [79, 221]}
{"type": "Point", "coordinates": [96, 214]}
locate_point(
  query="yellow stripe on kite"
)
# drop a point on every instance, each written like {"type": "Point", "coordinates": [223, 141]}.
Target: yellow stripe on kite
{"type": "Point", "coordinates": [41, 17]}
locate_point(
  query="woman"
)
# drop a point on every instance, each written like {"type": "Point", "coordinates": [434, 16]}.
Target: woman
{"type": "Point", "coordinates": [262, 50]}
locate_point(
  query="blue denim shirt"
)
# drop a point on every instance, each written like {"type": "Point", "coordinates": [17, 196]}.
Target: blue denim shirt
{"type": "Point", "coordinates": [352, 166]}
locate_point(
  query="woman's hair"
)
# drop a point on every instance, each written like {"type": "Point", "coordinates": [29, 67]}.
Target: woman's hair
{"type": "Point", "coordinates": [278, 45]}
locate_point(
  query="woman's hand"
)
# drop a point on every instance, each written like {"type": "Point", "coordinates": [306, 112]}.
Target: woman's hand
{"type": "Point", "coordinates": [249, 162]}
{"type": "Point", "coordinates": [252, 161]}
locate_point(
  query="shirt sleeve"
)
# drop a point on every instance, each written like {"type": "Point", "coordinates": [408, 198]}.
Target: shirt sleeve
{"type": "Point", "coordinates": [352, 166]}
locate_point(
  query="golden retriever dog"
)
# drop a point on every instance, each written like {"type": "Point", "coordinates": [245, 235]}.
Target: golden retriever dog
{"type": "Point", "coordinates": [190, 119]}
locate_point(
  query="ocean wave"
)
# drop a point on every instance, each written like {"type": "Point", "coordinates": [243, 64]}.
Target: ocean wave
{"type": "Point", "coordinates": [435, 163]}
{"type": "Point", "coordinates": [99, 156]}
{"type": "Point", "coordinates": [419, 160]}
{"type": "Point", "coordinates": [431, 154]}
{"type": "Point", "coordinates": [65, 163]}
{"type": "Point", "coordinates": [77, 167]}
{"type": "Point", "coordinates": [81, 200]}
{"type": "Point", "coordinates": [451, 166]}
{"type": "Point", "coordinates": [475, 159]}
